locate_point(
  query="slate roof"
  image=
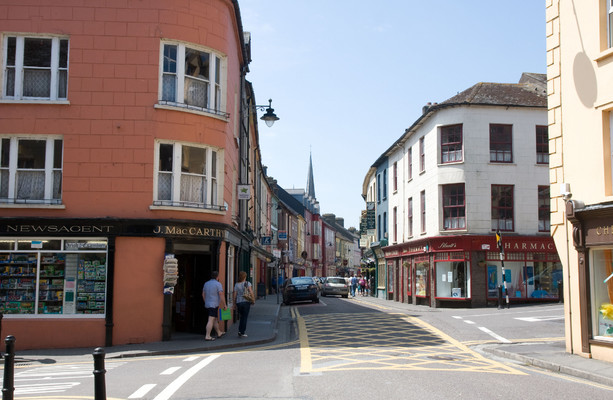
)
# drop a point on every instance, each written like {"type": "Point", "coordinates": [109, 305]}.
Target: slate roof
{"type": "Point", "coordinates": [529, 94]}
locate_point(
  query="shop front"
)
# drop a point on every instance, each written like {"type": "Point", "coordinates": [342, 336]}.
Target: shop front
{"type": "Point", "coordinates": [466, 271]}
{"type": "Point", "coordinates": [100, 282]}
{"type": "Point", "coordinates": [593, 240]}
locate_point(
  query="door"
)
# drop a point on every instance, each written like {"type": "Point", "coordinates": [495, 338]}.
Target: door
{"type": "Point", "coordinates": [189, 314]}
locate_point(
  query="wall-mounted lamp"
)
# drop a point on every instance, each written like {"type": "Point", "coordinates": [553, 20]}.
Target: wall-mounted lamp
{"type": "Point", "coordinates": [270, 117]}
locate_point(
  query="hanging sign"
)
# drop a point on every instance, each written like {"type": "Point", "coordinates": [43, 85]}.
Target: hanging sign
{"type": "Point", "coordinates": [244, 192]}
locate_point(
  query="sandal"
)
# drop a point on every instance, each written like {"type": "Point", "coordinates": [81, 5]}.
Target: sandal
{"type": "Point", "coordinates": [209, 339]}
{"type": "Point", "coordinates": [220, 336]}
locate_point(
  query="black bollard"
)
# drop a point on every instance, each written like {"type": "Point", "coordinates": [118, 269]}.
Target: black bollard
{"type": "Point", "coordinates": [560, 292]}
{"type": "Point", "coordinates": [99, 371]}
{"type": "Point", "coordinates": [8, 388]}
{"type": "Point", "coordinates": [499, 297]}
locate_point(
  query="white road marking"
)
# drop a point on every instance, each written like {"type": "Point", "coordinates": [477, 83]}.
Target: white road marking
{"type": "Point", "coordinates": [170, 371]}
{"type": "Point", "coordinates": [495, 336]}
{"type": "Point", "coordinates": [177, 383]}
{"type": "Point", "coordinates": [469, 322]}
{"type": "Point", "coordinates": [539, 319]}
{"type": "Point", "coordinates": [189, 359]}
{"type": "Point", "coordinates": [45, 388]}
{"type": "Point", "coordinates": [140, 393]}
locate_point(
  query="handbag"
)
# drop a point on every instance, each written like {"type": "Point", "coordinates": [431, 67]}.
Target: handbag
{"type": "Point", "coordinates": [225, 315]}
{"type": "Point", "coordinates": [248, 295]}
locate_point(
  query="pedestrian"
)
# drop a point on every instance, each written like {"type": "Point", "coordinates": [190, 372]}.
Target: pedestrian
{"type": "Point", "coordinates": [214, 297]}
{"type": "Point", "coordinates": [362, 284]}
{"type": "Point", "coordinates": [240, 303]}
{"type": "Point", "coordinates": [354, 285]}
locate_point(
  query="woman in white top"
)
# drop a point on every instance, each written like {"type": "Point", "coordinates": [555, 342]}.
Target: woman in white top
{"type": "Point", "coordinates": [240, 303]}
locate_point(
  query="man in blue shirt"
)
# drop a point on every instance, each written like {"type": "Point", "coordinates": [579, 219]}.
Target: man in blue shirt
{"type": "Point", "coordinates": [213, 295]}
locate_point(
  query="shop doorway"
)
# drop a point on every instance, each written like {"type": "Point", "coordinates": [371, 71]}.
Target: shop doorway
{"type": "Point", "coordinates": [188, 313]}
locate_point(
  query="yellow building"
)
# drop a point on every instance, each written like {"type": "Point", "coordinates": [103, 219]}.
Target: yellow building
{"type": "Point", "coordinates": [580, 102]}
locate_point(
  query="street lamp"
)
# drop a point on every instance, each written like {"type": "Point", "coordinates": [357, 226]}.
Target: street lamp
{"type": "Point", "coordinates": [270, 117]}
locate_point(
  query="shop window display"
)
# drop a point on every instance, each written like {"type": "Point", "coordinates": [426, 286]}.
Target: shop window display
{"type": "Point", "coordinates": [452, 279]}
{"type": "Point", "coordinates": [421, 279]}
{"type": "Point", "coordinates": [527, 275]}
{"type": "Point", "coordinates": [70, 281]}
{"type": "Point", "coordinates": [602, 294]}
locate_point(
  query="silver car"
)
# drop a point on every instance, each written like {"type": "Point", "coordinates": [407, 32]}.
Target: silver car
{"type": "Point", "coordinates": [335, 286]}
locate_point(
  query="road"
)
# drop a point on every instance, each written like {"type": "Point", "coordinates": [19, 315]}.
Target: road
{"type": "Point", "coordinates": [342, 349]}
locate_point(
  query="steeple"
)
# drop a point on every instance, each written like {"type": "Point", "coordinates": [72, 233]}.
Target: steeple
{"type": "Point", "coordinates": [310, 186]}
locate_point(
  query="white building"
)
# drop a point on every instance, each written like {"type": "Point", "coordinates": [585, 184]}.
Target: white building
{"type": "Point", "coordinates": [467, 167]}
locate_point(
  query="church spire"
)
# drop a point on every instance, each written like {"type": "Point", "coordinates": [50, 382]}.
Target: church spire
{"type": "Point", "coordinates": [310, 186]}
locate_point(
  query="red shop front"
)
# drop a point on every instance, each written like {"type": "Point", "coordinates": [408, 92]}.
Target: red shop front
{"type": "Point", "coordinates": [465, 271]}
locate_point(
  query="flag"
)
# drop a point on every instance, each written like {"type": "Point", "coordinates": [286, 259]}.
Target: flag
{"type": "Point", "coordinates": [499, 241]}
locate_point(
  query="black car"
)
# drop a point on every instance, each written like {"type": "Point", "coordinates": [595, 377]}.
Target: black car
{"type": "Point", "coordinates": [300, 288]}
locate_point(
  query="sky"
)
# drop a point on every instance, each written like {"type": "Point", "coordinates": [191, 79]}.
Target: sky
{"type": "Point", "coordinates": [347, 77]}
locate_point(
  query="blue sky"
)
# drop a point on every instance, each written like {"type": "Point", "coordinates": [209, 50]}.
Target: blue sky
{"type": "Point", "coordinates": [347, 77]}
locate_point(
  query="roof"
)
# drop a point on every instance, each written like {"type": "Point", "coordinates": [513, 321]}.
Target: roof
{"type": "Point", "coordinates": [531, 91]}
{"type": "Point", "coordinates": [501, 94]}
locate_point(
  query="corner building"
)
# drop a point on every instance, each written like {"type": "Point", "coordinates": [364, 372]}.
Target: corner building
{"type": "Point", "coordinates": [119, 137]}
{"type": "Point", "coordinates": [467, 167]}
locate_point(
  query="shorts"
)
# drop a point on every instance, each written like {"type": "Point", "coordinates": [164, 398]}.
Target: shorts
{"type": "Point", "coordinates": [213, 311]}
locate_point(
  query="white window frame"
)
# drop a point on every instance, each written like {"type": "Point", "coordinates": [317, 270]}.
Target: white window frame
{"type": "Point", "coordinates": [19, 74]}
{"type": "Point", "coordinates": [49, 171]}
{"type": "Point", "coordinates": [216, 95]}
{"type": "Point", "coordinates": [212, 200]}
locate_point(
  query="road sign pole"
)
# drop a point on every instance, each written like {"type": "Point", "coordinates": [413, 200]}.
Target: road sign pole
{"type": "Point", "coordinates": [504, 276]}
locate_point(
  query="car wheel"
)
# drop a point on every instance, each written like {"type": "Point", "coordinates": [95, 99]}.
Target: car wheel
{"type": "Point", "coordinates": [323, 295]}
{"type": "Point", "coordinates": [346, 296]}
{"type": "Point", "coordinates": [316, 300]}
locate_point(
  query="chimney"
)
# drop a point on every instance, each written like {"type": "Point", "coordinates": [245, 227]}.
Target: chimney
{"type": "Point", "coordinates": [340, 221]}
{"type": "Point", "coordinates": [425, 108]}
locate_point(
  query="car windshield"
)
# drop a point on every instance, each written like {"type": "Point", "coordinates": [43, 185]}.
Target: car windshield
{"type": "Point", "coordinates": [336, 280]}
{"type": "Point", "coordinates": [303, 280]}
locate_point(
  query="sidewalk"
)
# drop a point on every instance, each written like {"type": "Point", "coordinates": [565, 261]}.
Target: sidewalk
{"type": "Point", "coordinates": [262, 328]}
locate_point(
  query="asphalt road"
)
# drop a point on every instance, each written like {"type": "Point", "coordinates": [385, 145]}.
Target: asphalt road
{"type": "Point", "coordinates": [342, 349]}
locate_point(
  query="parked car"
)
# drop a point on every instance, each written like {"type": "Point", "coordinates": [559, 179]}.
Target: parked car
{"type": "Point", "coordinates": [300, 288]}
{"type": "Point", "coordinates": [335, 286]}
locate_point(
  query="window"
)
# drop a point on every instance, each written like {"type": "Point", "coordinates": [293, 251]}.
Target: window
{"type": "Point", "coordinates": [410, 214]}
{"type": "Point", "coordinates": [454, 212]}
{"type": "Point", "coordinates": [422, 199]}
{"type": "Point", "coordinates": [451, 143]}
{"type": "Point", "coordinates": [385, 225]}
{"type": "Point", "coordinates": [379, 228]}
{"type": "Point", "coordinates": [452, 275]}
{"type": "Point", "coordinates": [395, 183]}
{"type": "Point", "coordinates": [542, 145]}
{"type": "Point", "coordinates": [410, 162]}
{"type": "Point", "coordinates": [385, 184]}
{"type": "Point", "coordinates": [187, 176]}
{"type": "Point", "coordinates": [422, 155]}
{"type": "Point", "coordinates": [191, 78]}
{"type": "Point", "coordinates": [543, 204]}
{"type": "Point", "coordinates": [53, 276]}
{"type": "Point", "coordinates": [378, 188]}
{"type": "Point", "coordinates": [602, 294]}
{"type": "Point", "coordinates": [502, 207]}
{"type": "Point", "coordinates": [35, 68]}
{"type": "Point", "coordinates": [30, 170]}
{"type": "Point", "coordinates": [501, 143]}
{"type": "Point", "coordinates": [395, 221]}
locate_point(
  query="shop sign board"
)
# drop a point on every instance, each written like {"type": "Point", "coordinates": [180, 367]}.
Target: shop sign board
{"type": "Point", "coordinates": [266, 240]}
{"type": "Point", "coordinates": [171, 273]}
{"type": "Point", "coordinates": [282, 235]}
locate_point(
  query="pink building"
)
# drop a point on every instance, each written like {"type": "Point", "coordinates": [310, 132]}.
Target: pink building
{"type": "Point", "coordinates": [119, 131]}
